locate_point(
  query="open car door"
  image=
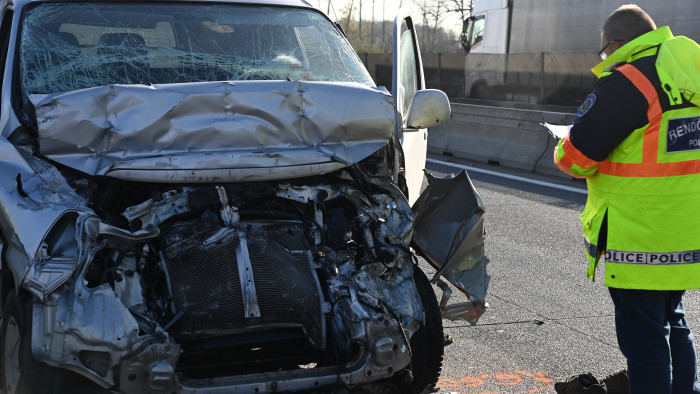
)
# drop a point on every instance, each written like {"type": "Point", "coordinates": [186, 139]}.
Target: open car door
{"type": "Point", "coordinates": [413, 101]}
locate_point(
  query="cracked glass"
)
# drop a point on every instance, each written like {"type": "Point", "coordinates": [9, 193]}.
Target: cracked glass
{"type": "Point", "coordinates": [67, 47]}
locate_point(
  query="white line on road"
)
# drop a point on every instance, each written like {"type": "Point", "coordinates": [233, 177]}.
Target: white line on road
{"type": "Point", "coordinates": [514, 177]}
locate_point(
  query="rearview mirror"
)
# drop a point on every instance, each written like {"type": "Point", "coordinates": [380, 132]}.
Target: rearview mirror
{"type": "Point", "coordinates": [429, 107]}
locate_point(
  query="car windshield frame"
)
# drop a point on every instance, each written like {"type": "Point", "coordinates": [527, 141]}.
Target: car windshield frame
{"type": "Point", "coordinates": [71, 46]}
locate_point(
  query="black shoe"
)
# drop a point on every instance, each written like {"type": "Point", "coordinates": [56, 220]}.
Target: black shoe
{"type": "Point", "coordinates": [581, 384]}
{"type": "Point", "coordinates": [617, 383]}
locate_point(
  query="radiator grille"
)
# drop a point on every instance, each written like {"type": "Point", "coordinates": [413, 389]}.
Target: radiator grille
{"type": "Point", "coordinates": [206, 285]}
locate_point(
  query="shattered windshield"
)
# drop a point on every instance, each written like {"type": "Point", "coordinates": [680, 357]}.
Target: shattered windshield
{"type": "Point", "coordinates": [68, 46]}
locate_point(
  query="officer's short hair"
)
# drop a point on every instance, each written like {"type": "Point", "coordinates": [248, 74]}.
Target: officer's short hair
{"type": "Point", "coordinates": [627, 23]}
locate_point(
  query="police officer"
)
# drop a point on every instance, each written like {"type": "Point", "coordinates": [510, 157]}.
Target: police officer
{"type": "Point", "coordinates": [635, 140]}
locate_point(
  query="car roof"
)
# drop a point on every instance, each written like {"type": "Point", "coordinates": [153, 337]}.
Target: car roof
{"type": "Point", "coordinates": [286, 3]}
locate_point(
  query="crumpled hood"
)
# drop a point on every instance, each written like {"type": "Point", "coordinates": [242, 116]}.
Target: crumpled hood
{"type": "Point", "coordinates": [201, 132]}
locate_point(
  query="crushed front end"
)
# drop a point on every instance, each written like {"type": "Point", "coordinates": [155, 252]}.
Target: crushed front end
{"type": "Point", "coordinates": [310, 281]}
{"type": "Point", "coordinates": [221, 286]}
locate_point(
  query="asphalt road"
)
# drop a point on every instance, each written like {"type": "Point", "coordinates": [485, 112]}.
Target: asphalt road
{"type": "Point", "coordinates": [545, 321]}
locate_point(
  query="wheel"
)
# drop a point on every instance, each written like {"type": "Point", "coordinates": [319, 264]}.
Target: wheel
{"type": "Point", "coordinates": [427, 344]}
{"type": "Point", "coordinates": [15, 349]}
{"type": "Point", "coordinates": [9, 363]}
{"type": "Point", "coordinates": [20, 372]}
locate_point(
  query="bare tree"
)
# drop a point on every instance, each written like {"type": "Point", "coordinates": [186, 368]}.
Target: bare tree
{"type": "Point", "coordinates": [360, 20]}
{"type": "Point", "coordinates": [371, 34]}
{"type": "Point", "coordinates": [347, 21]}
{"type": "Point", "coordinates": [429, 15]}
{"type": "Point", "coordinates": [383, 24]}
{"type": "Point", "coordinates": [432, 14]}
{"type": "Point", "coordinates": [462, 7]}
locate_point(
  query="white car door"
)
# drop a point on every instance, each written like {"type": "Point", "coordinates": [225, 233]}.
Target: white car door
{"type": "Point", "coordinates": [407, 79]}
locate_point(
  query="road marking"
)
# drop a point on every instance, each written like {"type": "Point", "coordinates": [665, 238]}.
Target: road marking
{"type": "Point", "coordinates": [508, 176]}
{"type": "Point", "coordinates": [516, 378]}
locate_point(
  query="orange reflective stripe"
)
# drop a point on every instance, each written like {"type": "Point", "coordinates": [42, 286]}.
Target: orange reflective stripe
{"type": "Point", "coordinates": [649, 167]}
{"type": "Point", "coordinates": [654, 113]}
{"type": "Point", "coordinates": [574, 156]}
{"type": "Point", "coordinates": [566, 170]}
{"type": "Point", "coordinates": [645, 170]}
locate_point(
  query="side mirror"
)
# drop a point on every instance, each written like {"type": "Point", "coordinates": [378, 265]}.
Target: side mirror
{"type": "Point", "coordinates": [429, 107]}
{"type": "Point", "coordinates": [467, 26]}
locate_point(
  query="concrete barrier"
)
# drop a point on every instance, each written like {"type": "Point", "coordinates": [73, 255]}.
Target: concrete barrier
{"type": "Point", "coordinates": [509, 137]}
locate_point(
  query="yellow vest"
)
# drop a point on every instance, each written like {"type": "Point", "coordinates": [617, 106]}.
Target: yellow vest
{"type": "Point", "coordinates": [649, 186]}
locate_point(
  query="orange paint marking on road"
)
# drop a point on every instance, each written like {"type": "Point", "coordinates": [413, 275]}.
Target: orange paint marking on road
{"type": "Point", "coordinates": [471, 381]}
{"type": "Point", "coordinates": [540, 389]}
{"type": "Point", "coordinates": [448, 383]}
{"type": "Point", "coordinates": [512, 379]}
{"type": "Point", "coordinates": [500, 379]}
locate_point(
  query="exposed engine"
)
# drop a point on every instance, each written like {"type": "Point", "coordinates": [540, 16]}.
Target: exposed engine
{"type": "Point", "coordinates": [265, 276]}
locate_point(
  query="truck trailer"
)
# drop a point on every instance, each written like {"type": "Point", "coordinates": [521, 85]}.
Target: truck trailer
{"type": "Point", "coordinates": [541, 51]}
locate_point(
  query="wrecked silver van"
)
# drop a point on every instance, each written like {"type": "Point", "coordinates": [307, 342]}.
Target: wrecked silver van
{"type": "Point", "coordinates": [214, 197]}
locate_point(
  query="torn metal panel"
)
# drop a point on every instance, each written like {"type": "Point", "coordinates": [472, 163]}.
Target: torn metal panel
{"type": "Point", "coordinates": [449, 231]}
{"type": "Point", "coordinates": [72, 323]}
{"type": "Point", "coordinates": [69, 242]}
{"type": "Point", "coordinates": [470, 311]}
{"type": "Point", "coordinates": [213, 130]}
{"type": "Point", "coordinates": [155, 211]}
{"type": "Point", "coordinates": [56, 259]}
{"type": "Point", "coordinates": [34, 196]}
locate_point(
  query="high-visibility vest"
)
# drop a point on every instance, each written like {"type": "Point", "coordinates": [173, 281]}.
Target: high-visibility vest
{"type": "Point", "coordinates": [648, 188]}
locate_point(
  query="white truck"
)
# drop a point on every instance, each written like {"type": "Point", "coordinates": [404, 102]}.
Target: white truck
{"type": "Point", "coordinates": [541, 51]}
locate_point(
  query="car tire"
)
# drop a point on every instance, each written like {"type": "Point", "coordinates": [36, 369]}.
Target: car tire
{"type": "Point", "coordinates": [20, 372]}
{"type": "Point", "coordinates": [427, 344]}
{"type": "Point", "coordinates": [15, 350]}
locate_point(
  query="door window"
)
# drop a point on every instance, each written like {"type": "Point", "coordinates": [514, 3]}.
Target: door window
{"type": "Point", "coordinates": [409, 75]}
{"type": "Point", "coordinates": [477, 34]}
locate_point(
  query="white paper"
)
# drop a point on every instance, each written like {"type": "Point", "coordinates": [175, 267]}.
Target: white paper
{"type": "Point", "coordinates": [557, 131]}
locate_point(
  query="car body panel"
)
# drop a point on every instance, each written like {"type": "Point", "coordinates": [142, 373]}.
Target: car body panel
{"type": "Point", "coordinates": [32, 200]}
{"type": "Point", "coordinates": [449, 233]}
{"type": "Point", "coordinates": [231, 126]}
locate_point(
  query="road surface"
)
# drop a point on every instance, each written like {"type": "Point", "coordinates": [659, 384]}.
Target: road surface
{"type": "Point", "coordinates": [545, 322]}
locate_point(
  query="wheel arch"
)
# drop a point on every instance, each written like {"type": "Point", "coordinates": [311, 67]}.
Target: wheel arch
{"type": "Point", "coordinates": [7, 280]}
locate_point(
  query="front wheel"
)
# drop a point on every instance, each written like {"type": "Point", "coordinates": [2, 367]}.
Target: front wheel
{"type": "Point", "coordinates": [20, 372]}
{"type": "Point", "coordinates": [16, 359]}
{"type": "Point", "coordinates": [427, 344]}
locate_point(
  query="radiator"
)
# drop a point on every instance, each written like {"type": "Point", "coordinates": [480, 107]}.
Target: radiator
{"type": "Point", "coordinates": [206, 285]}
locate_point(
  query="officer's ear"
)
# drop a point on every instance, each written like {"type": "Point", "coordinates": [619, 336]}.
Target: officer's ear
{"type": "Point", "coordinates": [616, 44]}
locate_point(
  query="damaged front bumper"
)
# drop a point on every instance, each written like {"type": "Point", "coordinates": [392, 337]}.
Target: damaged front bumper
{"type": "Point", "coordinates": [148, 362]}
